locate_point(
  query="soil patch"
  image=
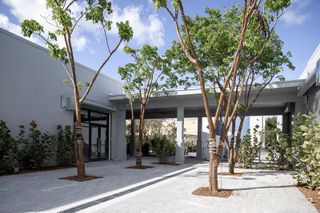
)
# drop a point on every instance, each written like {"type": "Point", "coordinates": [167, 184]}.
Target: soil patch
{"type": "Point", "coordinates": [312, 195]}
{"type": "Point", "coordinates": [229, 174]}
{"type": "Point", "coordinates": [44, 169]}
{"type": "Point", "coordinates": [139, 167]}
{"type": "Point", "coordinates": [81, 179]}
{"type": "Point", "coordinates": [204, 191]}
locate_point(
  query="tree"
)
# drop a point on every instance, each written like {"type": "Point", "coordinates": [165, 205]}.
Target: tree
{"type": "Point", "coordinates": [66, 21]}
{"type": "Point", "coordinates": [147, 76]}
{"type": "Point", "coordinates": [261, 68]}
{"type": "Point", "coordinates": [195, 57]}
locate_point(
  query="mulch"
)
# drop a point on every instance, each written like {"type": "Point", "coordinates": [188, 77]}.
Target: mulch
{"type": "Point", "coordinates": [312, 195]}
{"type": "Point", "coordinates": [81, 179]}
{"type": "Point", "coordinates": [139, 167]}
{"type": "Point", "coordinates": [204, 191]}
{"type": "Point", "coordinates": [229, 174]}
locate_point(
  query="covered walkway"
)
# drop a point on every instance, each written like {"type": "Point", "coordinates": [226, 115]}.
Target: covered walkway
{"type": "Point", "coordinates": [279, 98]}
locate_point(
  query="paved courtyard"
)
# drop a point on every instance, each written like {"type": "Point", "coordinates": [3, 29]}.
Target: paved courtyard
{"type": "Point", "coordinates": [163, 188]}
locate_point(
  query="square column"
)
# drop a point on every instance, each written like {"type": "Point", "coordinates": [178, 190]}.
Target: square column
{"type": "Point", "coordinates": [118, 136]}
{"type": "Point", "coordinates": [179, 157]}
{"type": "Point", "coordinates": [199, 139]}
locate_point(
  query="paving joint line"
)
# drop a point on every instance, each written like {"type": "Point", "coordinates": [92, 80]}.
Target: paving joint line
{"type": "Point", "coordinates": [118, 194]}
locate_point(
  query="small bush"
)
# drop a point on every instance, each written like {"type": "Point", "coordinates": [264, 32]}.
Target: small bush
{"type": "Point", "coordinates": [8, 150]}
{"type": "Point", "coordinates": [163, 147]}
{"type": "Point", "coordinates": [146, 148]}
{"type": "Point", "coordinates": [36, 148]}
{"type": "Point", "coordinates": [190, 146]}
{"type": "Point", "coordinates": [65, 146]}
{"type": "Point", "coordinates": [304, 152]}
{"type": "Point", "coordinates": [249, 151]}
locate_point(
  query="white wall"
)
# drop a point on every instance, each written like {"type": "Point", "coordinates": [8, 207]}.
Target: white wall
{"type": "Point", "coordinates": [31, 84]}
{"type": "Point", "coordinates": [312, 63]}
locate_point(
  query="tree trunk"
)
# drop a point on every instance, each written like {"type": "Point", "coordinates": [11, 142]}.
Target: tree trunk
{"type": "Point", "coordinates": [140, 142]}
{"type": "Point", "coordinates": [231, 160]}
{"type": "Point", "coordinates": [213, 166]}
{"type": "Point", "coordinates": [238, 139]}
{"type": "Point", "coordinates": [132, 130]}
{"type": "Point", "coordinates": [78, 143]}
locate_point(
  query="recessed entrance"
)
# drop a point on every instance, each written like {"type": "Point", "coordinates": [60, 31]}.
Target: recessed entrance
{"type": "Point", "coordinates": [95, 130]}
{"type": "Point", "coordinates": [99, 142]}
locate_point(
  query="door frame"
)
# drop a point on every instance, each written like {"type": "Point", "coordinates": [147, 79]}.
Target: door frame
{"type": "Point", "coordinates": [99, 126]}
{"type": "Point", "coordinates": [108, 133]}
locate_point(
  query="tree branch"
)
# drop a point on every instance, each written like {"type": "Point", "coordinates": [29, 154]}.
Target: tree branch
{"type": "Point", "coordinates": [98, 71]}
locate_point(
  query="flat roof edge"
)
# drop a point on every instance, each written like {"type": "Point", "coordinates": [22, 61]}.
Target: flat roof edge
{"type": "Point", "coordinates": [195, 91]}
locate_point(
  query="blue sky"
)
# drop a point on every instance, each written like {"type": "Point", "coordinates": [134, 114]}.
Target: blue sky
{"type": "Point", "coordinates": [298, 28]}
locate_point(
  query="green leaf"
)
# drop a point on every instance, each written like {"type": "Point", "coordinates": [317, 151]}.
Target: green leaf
{"type": "Point", "coordinates": [125, 31]}
{"type": "Point", "coordinates": [29, 27]}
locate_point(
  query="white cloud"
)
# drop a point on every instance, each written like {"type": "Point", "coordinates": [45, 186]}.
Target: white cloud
{"type": "Point", "coordinates": [301, 3]}
{"type": "Point", "coordinates": [7, 25]}
{"type": "Point", "coordinates": [37, 10]}
{"type": "Point", "coordinates": [295, 14]}
{"type": "Point", "coordinates": [147, 28]}
{"type": "Point", "coordinates": [292, 17]}
{"type": "Point", "coordinates": [80, 43]}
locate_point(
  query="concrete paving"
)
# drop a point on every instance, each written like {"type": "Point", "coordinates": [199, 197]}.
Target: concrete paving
{"type": "Point", "coordinates": [160, 189]}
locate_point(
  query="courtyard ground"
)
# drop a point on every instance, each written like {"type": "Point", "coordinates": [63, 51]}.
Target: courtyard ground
{"type": "Point", "coordinates": [164, 188]}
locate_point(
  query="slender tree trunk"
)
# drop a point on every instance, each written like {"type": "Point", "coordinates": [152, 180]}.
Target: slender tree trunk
{"type": "Point", "coordinates": [132, 130]}
{"type": "Point", "coordinates": [79, 139]}
{"type": "Point", "coordinates": [140, 142]}
{"type": "Point", "coordinates": [231, 160]}
{"type": "Point", "coordinates": [238, 139]}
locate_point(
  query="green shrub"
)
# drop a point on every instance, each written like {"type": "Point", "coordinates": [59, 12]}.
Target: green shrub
{"type": "Point", "coordinates": [276, 146]}
{"type": "Point", "coordinates": [249, 151]}
{"type": "Point", "coordinates": [65, 146]}
{"type": "Point", "coordinates": [304, 152]}
{"type": "Point", "coordinates": [190, 146]}
{"type": "Point", "coordinates": [145, 147]}
{"type": "Point", "coordinates": [8, 150]}
{"type": "Point", "coordinates": [163, 147]}
{"type": "Point", "coordinates": [36, 148]}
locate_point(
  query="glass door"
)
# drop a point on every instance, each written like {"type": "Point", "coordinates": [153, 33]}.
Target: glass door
{"type": "Point", "coordinates": [95, 130]}
{"type": "Point", "coordinates": [99, 142]}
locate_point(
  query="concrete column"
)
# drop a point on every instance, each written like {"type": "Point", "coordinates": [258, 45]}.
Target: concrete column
{"type": "Point", "coordinates": [118, 136]}
{"type": "Point", "coordinates": [199, 139]}
{"type": "Point", "coordinates": [179, 158]}
{"type": "Point", "coordinates": [285, 123]}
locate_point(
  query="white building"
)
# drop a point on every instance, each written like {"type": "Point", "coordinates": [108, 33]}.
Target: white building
{"type": "Point", "coordinates": [32, 88]}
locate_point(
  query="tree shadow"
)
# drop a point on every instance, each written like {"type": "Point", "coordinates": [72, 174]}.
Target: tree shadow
{"type": "Point", "coordinates": [266, 173]}
{"type": "Point", "coordinates": [263, 187]}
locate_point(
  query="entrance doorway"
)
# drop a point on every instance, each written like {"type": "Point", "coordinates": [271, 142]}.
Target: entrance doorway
{"type": "Point", "coordinates": [95, 130]}
{"type": "Point", "coordinates": [99, 142]}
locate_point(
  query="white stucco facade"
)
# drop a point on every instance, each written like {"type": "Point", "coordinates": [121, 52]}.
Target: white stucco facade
{"type": "Point", "coordinates": [32, 88]}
